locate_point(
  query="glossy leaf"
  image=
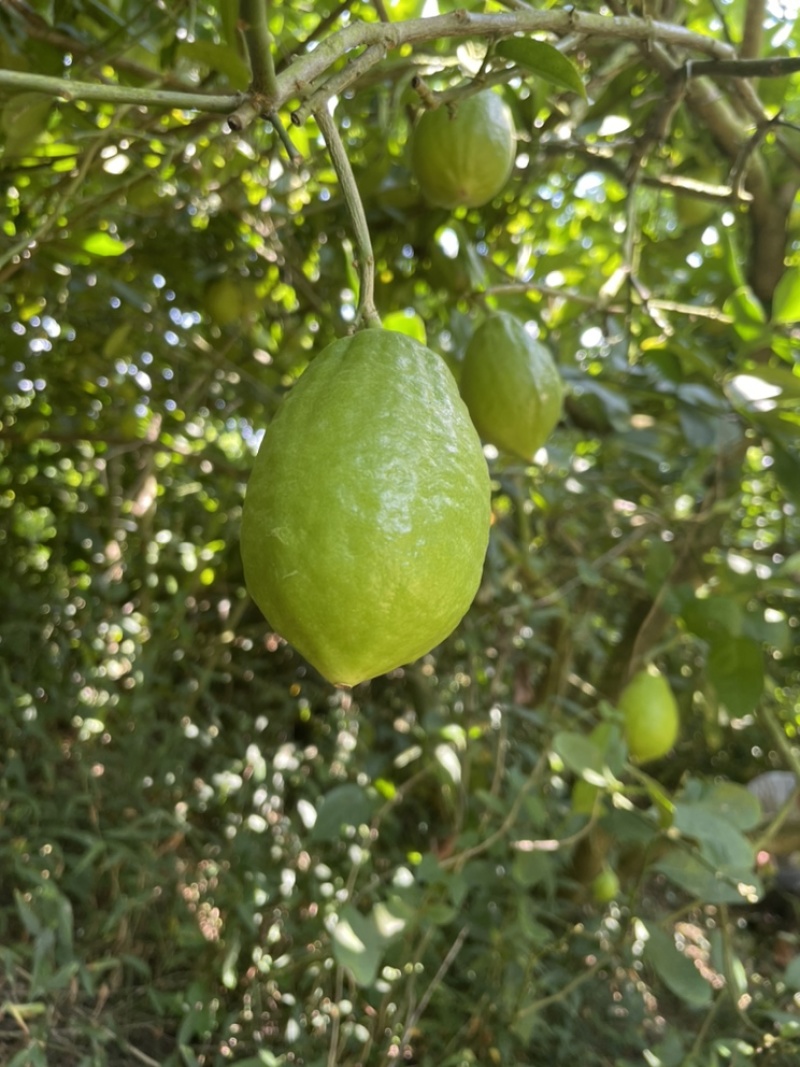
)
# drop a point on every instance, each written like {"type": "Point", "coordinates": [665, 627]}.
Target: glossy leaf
{"type": "Point", "coordinates": [786, 304]}
{"type": "Point", "coordinates": [543, 60]}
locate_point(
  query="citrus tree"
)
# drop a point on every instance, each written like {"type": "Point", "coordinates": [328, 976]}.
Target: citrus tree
{"type": "Point", "coordinates": [534, 841]}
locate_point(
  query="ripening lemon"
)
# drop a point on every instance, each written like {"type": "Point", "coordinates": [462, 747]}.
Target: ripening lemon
{"type": "Point", "coordinates": [511, 386]}
{"type": "Point", "coordinates": [651, 717]}
{"type": "Point", "coordinates": [465, 157]}
{"type": "Point", "coordinates": [366, 518]}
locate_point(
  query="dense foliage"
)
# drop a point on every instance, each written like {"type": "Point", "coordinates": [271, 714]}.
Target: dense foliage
{"type": "Point", "coordinates": [210, 855]}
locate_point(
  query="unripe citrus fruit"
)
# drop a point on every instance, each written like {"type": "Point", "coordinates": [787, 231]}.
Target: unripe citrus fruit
{"type": "Point", "coordinates": [650, 714]}
{"type": "Point", "coordinates": [511, 386]}
{"type": "Point", "coordinates": [367, 513]}
{"type": "Point", "coordinates": [605, 887]}
{"type": "Point", "coordinates": [465, 157]}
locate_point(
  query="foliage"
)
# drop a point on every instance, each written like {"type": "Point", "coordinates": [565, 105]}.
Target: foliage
{"type": "Point", "coordinates": [208, 853]}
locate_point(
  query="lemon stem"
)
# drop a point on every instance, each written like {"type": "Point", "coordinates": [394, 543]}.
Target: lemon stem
{"type": "Point", "coordinates": [366, 312]}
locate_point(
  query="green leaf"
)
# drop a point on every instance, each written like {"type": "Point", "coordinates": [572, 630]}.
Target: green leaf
{"type": "Point", "coordinates": [721, 843]}
{"type": "Point", "coordinates": [532, 868]}
{"type": "Point", "coordinates": [747, 312]}
{"type": "Point", "coordinates": [448, 760]}
{"type": "Point", "coordinates": [677, 972]}
{"type": "Point", "coordinates": [388, 921]}
{"type": "Point", "coordinates": [703, 882]}
{"type": "Point", "coordinates": [357, 945]}
{"type": "Point", "coordinates": [786, 302]}
{"type": "Point", "coordinates": [22, 119]}
{"type": "Point", "coordinates": [345, 805]}
{"type": "Point", "coordinates": [787, 470]}
{"type": "Point", "coordinates": [580, 755]}
{"type": "Point", "coordinates": [406, 322]}
{"type": "Point", "coordinates": [736, 670]}
{"type": "Point", "coordinates": [735, 804]}
{"type": "Point", "coordinates": [103, 244]}
{"type": "Point", "coordinates": [713, 618]}
{"type": "Point", "coordinates": [544, 60]}
{"type": "Point", "coordinates": [217, 57]}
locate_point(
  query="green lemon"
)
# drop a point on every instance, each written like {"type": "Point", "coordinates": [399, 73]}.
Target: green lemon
{"type": "Point", "coordinates": [605, 887]}
{"type": "Point", "coordinates": [511, 386]}
{"type": "Point", "coordinates": [651, 716]}
{"type": "Point", "coordinates": [366, 519]}
{"type": "Point", "coordinates": [464, 158]}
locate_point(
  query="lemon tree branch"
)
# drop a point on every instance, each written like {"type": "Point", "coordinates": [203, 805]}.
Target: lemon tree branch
{"type": "Point", "coordinates": [254, 15]}
{"type": "Point", "coordinates": [298, 79]}
{"type": "Point", "coordinates": [69, 90]}
{"type": "Point", "coordinates": [366, 313]}
{"type": "Point", "coordinates": [263, 85]}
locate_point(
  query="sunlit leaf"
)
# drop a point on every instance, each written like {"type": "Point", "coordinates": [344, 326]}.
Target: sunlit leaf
{"type": "Point", "coordinates": [406, 322]}
{"type": "Point", "coordinates": [543, 60]}
{"type": "Point", "coordinates": [747, 313]}
{"type": "Point", "coordinates": [103, 244]}
{"type": "Point", "coordinates": [786, 302]}
{"type": "Point", "coordinates": [357, 945]}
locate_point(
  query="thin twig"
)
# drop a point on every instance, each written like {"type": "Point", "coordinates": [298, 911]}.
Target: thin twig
{"type": "Point", "coordinates": [578, 980]}
{"type": "Point", "coordinates": [458, 860]}
{"type": "Point", "coordinates": [425, 999]}
{"type": "Point", "coordinates": [366, 312]}
{"type": "Point", "coordinates": [294, 155]}
{"type": "Point", "coordinates": [337, 83]}
{"type": "Point", "coordinates": [333, 1047]}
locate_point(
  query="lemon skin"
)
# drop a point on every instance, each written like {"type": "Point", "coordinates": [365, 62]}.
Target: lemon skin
{"type": "Point", "coordinates": [511, 386]}
{"type": "Point", "coordinates": [366, 518]}
{"type": "Point", "coordinates": [464, 159]}
{"type": "Point", "coordinates": [651, 716]}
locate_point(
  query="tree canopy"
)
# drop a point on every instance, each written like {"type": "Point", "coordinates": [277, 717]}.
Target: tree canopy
{"type": "Point", "coordinates": [211, 855]}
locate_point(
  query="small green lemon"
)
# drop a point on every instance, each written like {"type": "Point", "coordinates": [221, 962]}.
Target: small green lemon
{"type": "Point", "coordinates": [511, 386]}
{"type": "Point", "coordinates": [605, 887]}
{"type": "Point", "coordinates": [464, 158]}
{"type": "Point", "coordinates": [366, 519]}
{"type": "Point", "coordinates": [651, 717]}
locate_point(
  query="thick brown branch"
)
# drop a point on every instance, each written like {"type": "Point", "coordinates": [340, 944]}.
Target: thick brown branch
{"type": "Point", "coordinates": [778, 67]}
{"type": "Point", "coordinates": [753, 31]}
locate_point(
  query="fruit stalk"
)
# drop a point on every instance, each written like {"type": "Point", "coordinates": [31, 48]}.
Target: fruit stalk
{"type": "Point", "coordinates": [366, 312]}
